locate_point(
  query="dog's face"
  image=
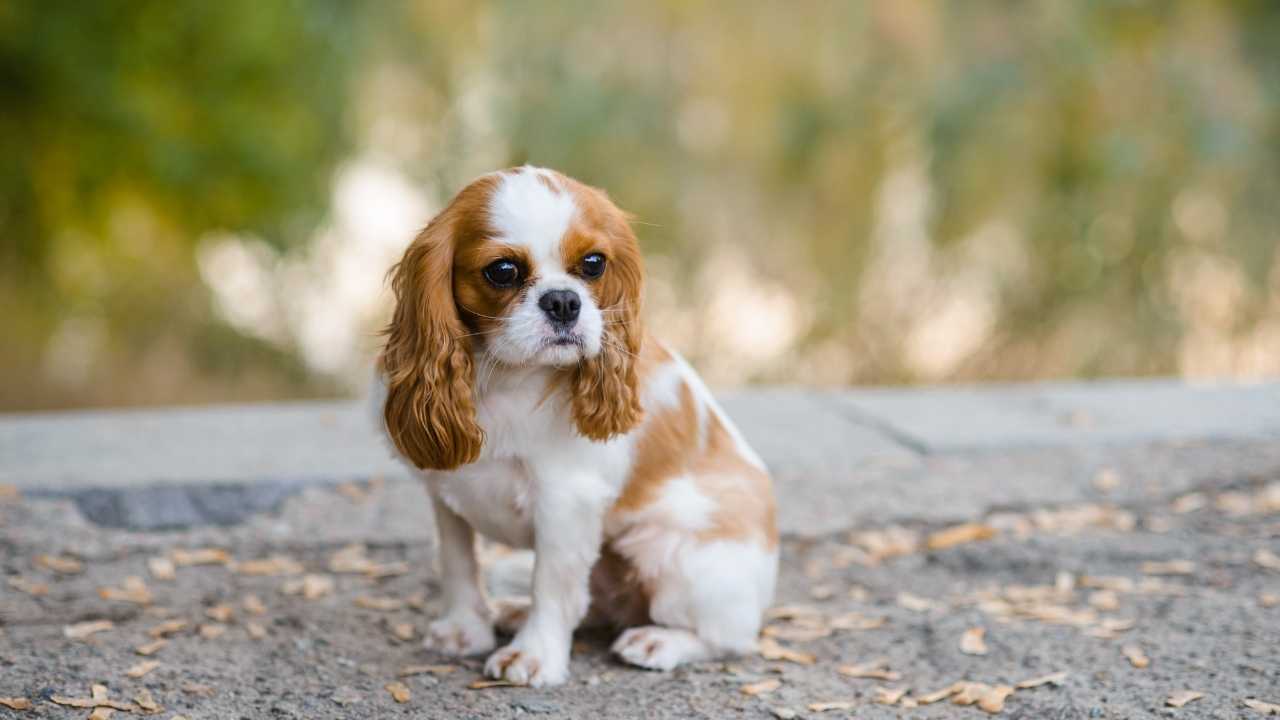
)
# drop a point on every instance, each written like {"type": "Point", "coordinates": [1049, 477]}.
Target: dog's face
{"type": "Point", "coordinates": [525, 267]}
{"type": "Point", "coordinates": [548, 266]}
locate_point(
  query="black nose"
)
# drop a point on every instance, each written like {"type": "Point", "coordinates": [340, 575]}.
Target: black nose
{"type": "Point", "coordinates": [560, 305]}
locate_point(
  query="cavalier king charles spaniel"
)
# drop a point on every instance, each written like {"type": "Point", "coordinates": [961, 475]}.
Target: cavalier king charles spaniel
{"type": "Point", "coordinates": [518, 381]}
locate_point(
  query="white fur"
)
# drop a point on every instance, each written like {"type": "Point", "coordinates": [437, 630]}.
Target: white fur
{"type": "Point", "coordinates": [524, 212]}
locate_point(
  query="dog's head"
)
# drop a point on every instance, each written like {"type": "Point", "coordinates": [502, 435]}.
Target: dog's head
{"type": "Point", "coordinates": [524, 267]}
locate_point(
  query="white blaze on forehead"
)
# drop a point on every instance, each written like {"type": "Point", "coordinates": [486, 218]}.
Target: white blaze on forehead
{"type": "Point", "coordinates": [525, 211]}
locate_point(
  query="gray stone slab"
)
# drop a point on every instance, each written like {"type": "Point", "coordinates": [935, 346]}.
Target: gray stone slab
{"type": "Point", "coordinates": [1071, 414]}
{"type": "Point", "coordinates": [285, 442]}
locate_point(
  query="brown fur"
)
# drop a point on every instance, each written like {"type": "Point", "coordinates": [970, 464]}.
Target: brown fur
{"type": "Point", "coordinates": [430, 407]}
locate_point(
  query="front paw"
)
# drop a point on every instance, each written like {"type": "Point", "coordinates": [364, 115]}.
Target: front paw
{"type": "Point", "coordinates": [460, 634]}
{"type": "Point", "coordinates": [529, 663]}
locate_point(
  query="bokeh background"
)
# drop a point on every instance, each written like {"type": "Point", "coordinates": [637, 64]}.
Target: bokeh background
{"type": "Point", "coordinates": [199, 200]}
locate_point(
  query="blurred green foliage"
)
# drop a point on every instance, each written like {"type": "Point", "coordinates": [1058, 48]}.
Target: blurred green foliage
{"type": "Point", "coordinates": [1070, 189]}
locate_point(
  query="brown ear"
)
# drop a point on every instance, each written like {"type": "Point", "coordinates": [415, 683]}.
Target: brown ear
{"type": "Point", "coordinates": [606, 395]}
{"type": "Point", "coordinates": [430, 407]}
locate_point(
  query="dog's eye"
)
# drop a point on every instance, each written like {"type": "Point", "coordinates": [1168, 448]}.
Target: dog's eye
{"type": "Point", "coordinates": [502, 273]}
{"type": "Point", "coordinates": [593, 265]}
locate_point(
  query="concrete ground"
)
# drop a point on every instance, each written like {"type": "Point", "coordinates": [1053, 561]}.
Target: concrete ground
{"type": "Point", "coordinates": [1126, 535]}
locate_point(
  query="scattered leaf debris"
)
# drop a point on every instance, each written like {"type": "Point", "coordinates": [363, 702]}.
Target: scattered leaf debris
{"type": "Point", "coordinates": [959, 535]}
{"type": "Point", "coordinates": [970, 693]}
{"type": "Point", "coordinates": [168, 627]}
{"type": "Point", "coordinates": [256, 630]}
{"type": "Point", "coordinates": [483, 684]}
{"type": "Point", "coordinates": [9, 492]}
{"type": "Point", "coordinates": [268, 567]}
{"type": "Point", "coordinates": [1106, 480]}
{"type": "Point", "coordinates": [193, 688]}
{"type": "Point", "coordinates": [1051, 679]}
{"type": "Point", "coordinates": [399, 692]}
{"type": "Point", "coordinates": [1169, 567]}
{"type": "Point", "coordinates": [1135, 656]}
{"type": "Point", "coordinates": [82, 630]}
{"type": "Point", "coordinates": [973, 641]}
{"type": "Point", "coordinates": [915, 603]}
{"type": "Point", "coordinates": [857, 621]}
{"type": "Point", "coordinates": [311, 586]}
{"type": "Point", "coordinates": [212, 631]}
{"type": "Point", "coordinates": [142, 668]}
{"type": "Point", "coordinates": [253, 605]}
{"type": "Point", "coordinates": [1182, 697]}
{"type": "Point", "coordinates": [60, 564]}
{"type": "Point", "coordinates": [162, 568]}
{"type": "Point", "coordinates": [833, 705]}
{"type": "Point", "coordinates": [132, 590]}
{"type": "Point", "coordinates": [890, 696]}
{"type": "Point", "coordinates": [763, 687]}
{"type": "Point", "coordinates": [992, 701]}
{"type": "Point", "coordinates": [943, 694]}
{"type": "Point", "coordinates": [409, 670]}
{"type": "Point", "coordinates": [369, 602]}
{"type": "Point", "coordinates": [771, 650]}
{"type": "Point", "coordinates": [876, 669]}
{"type": "Point", "coordinates": [353, 492]}
{"type": "Point", "coordinates": [151, 648]}
{"type": "Point", "coordinates": [200, 556]}
{"type": "Point", "coordinates": [403, 631]}
{"type": "Point", "coordinates": [1269, 600]}
{"type": "Point", "coordinates": [220, 613]}
{"type": "Point", "coordinates": [32, 588]}
{"type": "Point", "coordinates": [147, 702]}
{"type": "Point", "coordinates": [98, 698]}
{"type": "Point", "coordinates": [1262, 706]}
{"type": "Point", "coordinates": [15, 703]}
{"type": "Point", "coordinates": [1264, 558]}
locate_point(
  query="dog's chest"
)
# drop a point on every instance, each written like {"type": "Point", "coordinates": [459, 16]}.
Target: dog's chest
{"type": "Point", "coordinates": [495, 497]}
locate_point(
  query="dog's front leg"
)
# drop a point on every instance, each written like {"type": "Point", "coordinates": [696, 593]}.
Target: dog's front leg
{"type": "Point", "coordinates": [569, 512]}
{"type": "Point", "coordinates": [466, 627]}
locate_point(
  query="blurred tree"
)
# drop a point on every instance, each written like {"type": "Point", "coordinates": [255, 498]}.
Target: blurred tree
{"type": "Point", "coordinates": [128, 131]}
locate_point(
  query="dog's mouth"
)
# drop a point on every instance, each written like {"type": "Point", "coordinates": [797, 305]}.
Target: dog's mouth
{"type": "Point", "coordinates": [565, 340]}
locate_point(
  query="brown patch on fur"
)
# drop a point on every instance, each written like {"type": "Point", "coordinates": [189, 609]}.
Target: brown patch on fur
{"type": "Point", "coordinates": [668, 448]}
{"type": "Point", "coordinates": [430, 406]}
{"type": "Point", "coordinates": [606, 397]}
{"type": "Point", "coordinates": [619, 596]}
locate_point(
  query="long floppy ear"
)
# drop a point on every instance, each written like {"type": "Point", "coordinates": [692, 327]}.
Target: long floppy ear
{"type": "Point", "coordinates": [606, 393]}
{"type": "Point", "coordinates": [430, 407]}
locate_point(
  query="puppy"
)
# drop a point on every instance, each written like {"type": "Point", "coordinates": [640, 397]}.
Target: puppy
{"type": "Point", "coordinates": [522, 387]}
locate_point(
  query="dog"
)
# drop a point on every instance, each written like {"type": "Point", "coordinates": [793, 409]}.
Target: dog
{"type": "Point", "coordinates": [518, 381]}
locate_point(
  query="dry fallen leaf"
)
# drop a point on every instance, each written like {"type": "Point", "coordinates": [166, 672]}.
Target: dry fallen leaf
{"type": "Point", "coordinates": [1136, 657]}
{"type": "Point", "coordinates": [132, 590]}
{"type": "Point", "coordinates": [200, 556]}
{"type": "Point", "coordinates": [369, 602]}
{"type": "Point", "coordinates": [9, 492]}
{"type": "Point", "coordinates": [890, 696]}
{"type": "Point", "coordinates": [915, 603]}
{"type": "Point", "coordinates": [857, 621]}
{"type": "Point", "coordinates": [212, 631]}
{"type": "Point", "coordinates": [1189, 503]}
{"type": "Point", "coordinates": [795, 633]}
{"type": "Point", "coordinates": [162, 568]}
{"type": "Point", "coordinates": [192, 688]}
{"type": "Point", "coordinates": [833, 705]}
{"type": "Point", "coordinates": [992, 701]}
{"type": "Point", "coordinates": [60, 564]}
{"type": "Point", "coordinates": [1171, 567]}
{"type": "Point", "coordinates": [353, 492]}
{"type": "Point", "coordinates": [350, 559]}
{"type": "Point", "coordinates": [399, 692]}
{"type": "Point", "coordinates": [98, 699]}
{"type": "Point", "coordinates": [256, 630]}
{"type": "Point", "coordinates": [1106, 480]}
{"type": "Point", "coordinates": [972, 642]}
{"type": "Point", "coordinates": [486, 684]}
{"type": "Point", "coordinates": [221, 613]}
{"type": "Point", "coordinates": [795, 612]}
{"type": "Point", "coordinates": [142, 668]}
{"type": "Point", "coordinates": [253, 605]}
{"type": "Point", "coordinates": [151, 648]}
{"type": "Point", "coordinates": [15, 703]}
{"type": "Point", "coordinates": [763, 687]}
{"type": "Point", "coordinates": [167, 627]}
{"type": "Point", "coordinates": [970, 693]}
{"type": "Point", "coordinates": [943, 694]}
{"type": "Point", "coordinates": [35, 589]}
{"type": "Point", "coordinates": [771, 650]}
{"type": "Point", "coordinates": [271, 566]}
{"type": "Point", "coordinates": [1264, 558]}
{"type": "Point", "coordinates": [1051, 679]}
{"type": "Point", "coordinates": [408, 670]}
{"type": "Point", "coordinates": [82, 630]}
{"type": "Point", "coordinates": [1182, 697]}
{"type": "Point", "coordinates": [1269, 600]}
{"type": "Point", "coordinates": [959, 535]}
{"type": "Point", "coordinates": [1262, 706]}
{"type": "Point", "coordinates": [876, 669]}
{"type": "Point", "coordinates": [402, 631]}
{"type": "Point", "coordinates": [146, 702]}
